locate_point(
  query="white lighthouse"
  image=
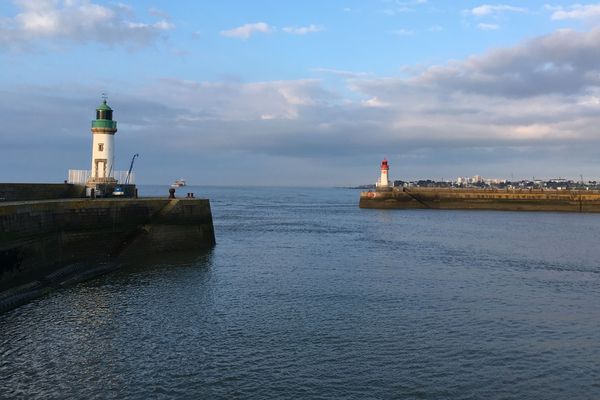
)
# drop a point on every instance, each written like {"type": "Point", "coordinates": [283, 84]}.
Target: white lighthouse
{"type": "Point", "coordinates": [103, 149]}
{"type": "Point", "coordinates": [383, 182]}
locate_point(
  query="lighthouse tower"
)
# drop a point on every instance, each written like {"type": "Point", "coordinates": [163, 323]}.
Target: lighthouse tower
{"type": "Point", "coordinates": [383, 182]}
{"type": "Point", "coordinates": [103, 149]}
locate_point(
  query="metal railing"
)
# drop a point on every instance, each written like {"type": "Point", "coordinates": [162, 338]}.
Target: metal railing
{"type": "Point", "coordinates": [81, 176]}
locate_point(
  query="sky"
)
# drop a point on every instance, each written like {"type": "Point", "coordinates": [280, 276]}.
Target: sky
{"type": "Point", "coordinates": [302, 93]}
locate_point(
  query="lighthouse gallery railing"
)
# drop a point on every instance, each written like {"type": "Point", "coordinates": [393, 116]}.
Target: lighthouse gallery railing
{"type": "Point", "coordinates": [81, 176]}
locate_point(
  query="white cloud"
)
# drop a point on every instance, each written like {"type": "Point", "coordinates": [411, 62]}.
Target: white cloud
{"type": "Point", "coordinates": [245, 101]}
{"type": "Point", "coordinates": [542, 92]}
{"type": "Point", "coordinates": [245, 31]}
{"type": "Point", "coordinates": [576, 11]}
{"type": "Point", "coordinates": [487, 9]}
{"type": "Point", "coordinates": [156, 12]}
{"type": "Point", "coordinates": [436, 28]}
{"type": "Point", "coordinates": [76, 21]}
{"type": "Point", "coordinates": [400, 7]}
{"type": "Point", "coordinates": [374, 102]}
{"type": "Point", "coordinates": [487, 27]}
{"type": "Point", "coordinates": [302, 30]}
{"type": "Point", "coordinates": [564, 62]}
{"type": "Point", "coordinates": [396, 11]}
{"type": "Point", "coordinates": [342, 73]}
{"type": "Point", "coordinates": [403, 32]}
{"type": "Point", "coordinates": [538, 99]}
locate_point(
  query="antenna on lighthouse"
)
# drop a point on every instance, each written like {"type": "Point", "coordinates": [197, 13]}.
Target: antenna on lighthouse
{"type": "Point", "coordinates": [104, 96]}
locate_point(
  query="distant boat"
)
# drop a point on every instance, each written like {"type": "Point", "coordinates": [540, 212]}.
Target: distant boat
{"type": "Point", "coordinates": [178, 183]}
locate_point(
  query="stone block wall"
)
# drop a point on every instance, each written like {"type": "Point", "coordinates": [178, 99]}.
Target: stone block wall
{"type": "Point", "coordinates": [464, 199]}
{"type": "Point", "coordinates": [37, 237]}
{"type": "Point", "coordinates": [39, 191]}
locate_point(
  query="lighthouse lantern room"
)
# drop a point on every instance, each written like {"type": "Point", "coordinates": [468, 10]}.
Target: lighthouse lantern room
{"type": "Point", "coordinates": [103, 140]}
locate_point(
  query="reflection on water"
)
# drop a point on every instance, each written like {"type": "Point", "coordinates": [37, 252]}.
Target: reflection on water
{"type": "Point", "coordinates": [307, 296]}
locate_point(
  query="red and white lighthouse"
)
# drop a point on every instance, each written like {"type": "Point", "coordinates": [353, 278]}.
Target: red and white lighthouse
{"type": "Point", "coordinates": [383, 181]}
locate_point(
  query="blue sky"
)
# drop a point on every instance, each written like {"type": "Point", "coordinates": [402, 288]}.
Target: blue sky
{"type": "Point", "coordinates": [302, 93]}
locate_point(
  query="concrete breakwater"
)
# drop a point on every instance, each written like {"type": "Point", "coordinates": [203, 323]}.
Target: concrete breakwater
{"type": "Point", "coordinates": [505, 200]}
{"type": "Point", "coordinates": [43, 243]}
{"type": "Point", "coordinates": [39, 191]}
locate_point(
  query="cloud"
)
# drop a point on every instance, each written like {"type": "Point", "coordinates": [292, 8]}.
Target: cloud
{"type": "Point", "coordinates": [245, 31]}
{"type": "Point", "coordinates": [488, 9]}
{"type": "Point", "coordinates": [76, 21]}
{"type": "Point", "coordinates": [374, 102]}
{"type": "Point", "coordinates": [403, 32]}
{"type": "Point", "coordinates": [302, 30]}
{"type": "Point", "coordinates": [488, 27]}
{"type": "Point", "coordinates": [342, 73]}
{"type": "Point", "coordinates": [396, 11]}
{"type": "Point", "coordinates": [576, 11]}
{"type": "Point", "coordinates": [243, 101]}
{"type": "Point", "coordinates": [400, 7]}
{"type": "Point", "coordinates": [564, 62]}
{"type": "Point", "coordinates": [156, 12]}
{"type": "Point", "coordinates": [531, 109]}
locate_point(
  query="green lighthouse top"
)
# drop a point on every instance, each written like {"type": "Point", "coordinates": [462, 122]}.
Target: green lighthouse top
{"type": "Point", "coordinates": [104, 117]}
{"type": "Point", "coordinates": [103, 107]}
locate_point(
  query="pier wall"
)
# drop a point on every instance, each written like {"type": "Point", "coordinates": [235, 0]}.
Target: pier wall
{"type": "Point", "coordinates": [39, 191]}
{"type": "Point", "coordinates": [466, 199]}
{"type": "Point", "coordinates": [40, 237]}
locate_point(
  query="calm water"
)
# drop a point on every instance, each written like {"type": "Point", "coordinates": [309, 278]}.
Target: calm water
{"type": "Point", "coordinates": [307, 296]}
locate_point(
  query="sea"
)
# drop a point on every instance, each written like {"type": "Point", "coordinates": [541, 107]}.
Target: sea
{"type": "Point", "coordinates": [306, 296]}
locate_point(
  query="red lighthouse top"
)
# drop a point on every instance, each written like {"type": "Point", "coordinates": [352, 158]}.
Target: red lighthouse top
{"type": "Point", "coordinates": [384, 164]}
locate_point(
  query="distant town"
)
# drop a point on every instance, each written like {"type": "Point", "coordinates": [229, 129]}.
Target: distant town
{"type": "Point", "coordinates": [479, 182]}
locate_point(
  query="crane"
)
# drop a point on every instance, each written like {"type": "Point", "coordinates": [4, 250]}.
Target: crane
{"type": "Point", "coordinates": [130, 168]}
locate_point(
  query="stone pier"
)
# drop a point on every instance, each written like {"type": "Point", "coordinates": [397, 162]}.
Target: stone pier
{"type": "Point", "coordinates": [39, 238]}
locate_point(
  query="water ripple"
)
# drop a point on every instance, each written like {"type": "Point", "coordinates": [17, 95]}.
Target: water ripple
{"type": "Point", "coordinates": [308, 297]}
